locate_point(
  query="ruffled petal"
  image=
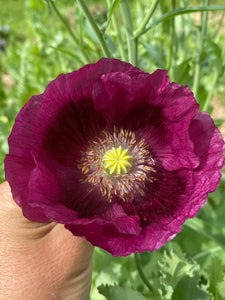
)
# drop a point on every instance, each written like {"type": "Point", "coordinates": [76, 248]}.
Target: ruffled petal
{"type": "Point", "coordinates": [57, 131]}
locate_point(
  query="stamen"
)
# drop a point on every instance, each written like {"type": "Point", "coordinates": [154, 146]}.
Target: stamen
{"type": "Point", "coordinates": [118, 164]}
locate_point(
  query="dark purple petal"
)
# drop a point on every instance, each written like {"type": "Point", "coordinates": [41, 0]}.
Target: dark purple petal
{"type": "Point", "coordinates": [117, 94]}
{"type": "Point", "coordinates": [55, 170]}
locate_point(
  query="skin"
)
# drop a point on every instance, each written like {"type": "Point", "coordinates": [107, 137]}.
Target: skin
{"type": "Point", "coordinates": [40, 260]}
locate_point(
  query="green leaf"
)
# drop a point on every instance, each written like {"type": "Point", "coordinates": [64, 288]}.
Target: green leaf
{"type": "Point", "coordinates": [156, 54]}
{"type": "Point", "coordinates": [203, 228]}
{"type": "Point", "coordinates": [174, 267]}
{"type": "Point", "coordinates": [181, 72]}
{"type": "Point", "coordinates": [216, 276]}
{"type": "Point", "coordinates": [214, 49]}
{"type": "Point", "coordinates": [180, 277]}
{"type": "Point", "coordinates": [221, 289]}
{"type": "Point", "coordinates": [89, 30]}
{"type": "Point", "coordinates": [117, 293]}
{"type": "Point", "coordinates": [37, 5]}
{"type": "Point", "coordinates": [202, 96]}
{"type": "Point", "coordinates": [219, 122]}
{"type": "Point", "coordinates": [223, 175]}
{"type": "Point", "coordinates": [112, 46]}
{"type": "Point", "coordinates": [181, 11]}
{"type": "Point", "coordinates": [188, 289]}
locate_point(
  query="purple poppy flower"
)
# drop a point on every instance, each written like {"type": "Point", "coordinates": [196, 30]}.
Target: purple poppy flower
{"type": "Point", "coordinates": [120, 156]}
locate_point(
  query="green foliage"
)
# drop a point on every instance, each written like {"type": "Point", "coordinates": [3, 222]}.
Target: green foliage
{"type": "Point", "coordinates": [216, 279]}
{"type": "Point", "coordinates": [118, 292]}
{"type": "Point", "coordinates": [4, 131]}
{"type": "Point", "coordinates": [175, 277]}
{"type": "Point", "coordinates": [41, 44]}
{"type": "Point", "coordinates": [111, 11]}
{"type": "Point", "coordinates": [180, 278]}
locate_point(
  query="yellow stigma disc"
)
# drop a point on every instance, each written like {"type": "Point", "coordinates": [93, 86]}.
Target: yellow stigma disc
{"type": "Point", "coordinates": [116, 161]}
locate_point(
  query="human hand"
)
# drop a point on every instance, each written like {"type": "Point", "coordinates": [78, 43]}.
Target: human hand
{"type": "Point", "coordinates": [40, 260]}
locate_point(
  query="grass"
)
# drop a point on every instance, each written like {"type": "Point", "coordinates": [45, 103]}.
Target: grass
{"type": "Point", "coordinates": [12, 14]}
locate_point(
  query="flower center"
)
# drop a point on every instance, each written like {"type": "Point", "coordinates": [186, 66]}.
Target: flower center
{"type": "Point", "coordinates": [119, 164]}
{"type": "Point", "coordinates": [116, 161]}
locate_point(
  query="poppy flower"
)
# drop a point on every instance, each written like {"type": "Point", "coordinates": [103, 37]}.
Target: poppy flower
{"type": "Point", "coordinates": [120, 156]}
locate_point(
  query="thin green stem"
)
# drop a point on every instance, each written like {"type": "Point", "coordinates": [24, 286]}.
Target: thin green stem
{"type": "Point", "coordinates": [201, 39]}
{"type": "Point", "coordinates": [147, 18]}
{"type": "Point", "coordinates": [141, 273]}
{"type": "Point", "coordinates": [67, 27]}
{"type": "Point", "coordinates": [210, 94]}
{"type": "Point", "coordinates": [118, 33]}
{"type": "Point", "coordinates": [219, 25]}
{"type": "Point", "coordinates": [196, 79]}
{"type": "Point", "coordinates": [182, 11]}
{"type": "Point", "coordinates": [67, 53]}
{"type": "Point", "coordinates": [171, 41]}
{"type": "Point", "coordinates": [131, 41]}
{"type": "Point", "coordinates": [95, 28]}
{"type": "Point", "coordinates": [206, 252]}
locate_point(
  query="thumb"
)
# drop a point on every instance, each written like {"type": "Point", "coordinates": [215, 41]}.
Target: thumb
{"type": "Point", "coordinates": [13, 225]}
{"type": "Point", "coordinates": [40, 260]}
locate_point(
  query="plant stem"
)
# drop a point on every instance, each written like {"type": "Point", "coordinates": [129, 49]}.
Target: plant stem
{"type": "Point", "coordinates": [171, 41]}
{"type": "Point", "coordinates": [147, 18]}
{"type": "Point", "coordinates": [131, 41]}
{"type": "Point", "coordinates": [67, 27]}
{"type": "Point", "coordinates": [196, 79]}
{"type": "Point", "coordinates": [206, 252]}
{"type": "Point", "coordinates": [219, 25]}
{"type": "Point", "coordinates": [95, 28]}
{"type": "Point", "coordinates": [118, 33]}
{"type": "Point", "coordinates": [204, 19]}
{"type": "Point", "coordinates": [141, 273]}
{"type": "Point", "coordinates": [67, 52]}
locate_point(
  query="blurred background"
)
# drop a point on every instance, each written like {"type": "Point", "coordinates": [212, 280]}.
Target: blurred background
{"type": "Point", "coordinates": [35, 47]}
